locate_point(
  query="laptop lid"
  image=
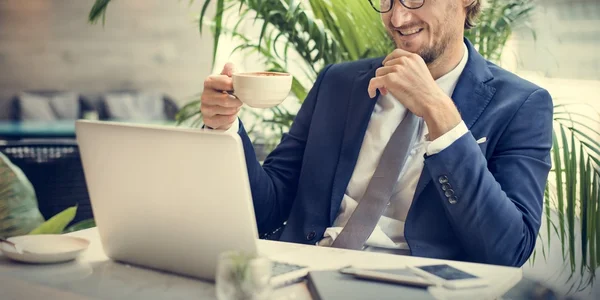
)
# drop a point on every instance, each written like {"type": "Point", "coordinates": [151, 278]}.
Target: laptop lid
{"type": "Point", "coordinates": [167, 198]}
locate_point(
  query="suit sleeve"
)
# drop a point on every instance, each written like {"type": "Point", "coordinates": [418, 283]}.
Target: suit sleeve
{"type": "Point", "coordinates": [495, 206]}
{"type": "Point", "coordinates": [274, 184]}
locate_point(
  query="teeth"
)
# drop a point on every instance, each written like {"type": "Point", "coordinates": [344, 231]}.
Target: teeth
{"type": "Point", "coordinates": [409, 32]}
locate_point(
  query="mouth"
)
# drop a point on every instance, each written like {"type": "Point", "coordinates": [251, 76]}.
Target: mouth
{"type": "Point", "coordinates": [409, 31]}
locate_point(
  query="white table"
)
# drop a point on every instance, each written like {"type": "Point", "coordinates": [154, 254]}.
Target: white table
{"type": "Point", "coordinates": [94, 276]}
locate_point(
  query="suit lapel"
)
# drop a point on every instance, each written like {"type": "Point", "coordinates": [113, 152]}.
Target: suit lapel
{"type": "Point", "coordinates": [471, 96]}
{"type": "Point", "coordinates": [360, 108]}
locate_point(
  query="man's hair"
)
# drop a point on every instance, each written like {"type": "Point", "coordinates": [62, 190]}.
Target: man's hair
{"type": "Point", "coordinates": [473, 11]}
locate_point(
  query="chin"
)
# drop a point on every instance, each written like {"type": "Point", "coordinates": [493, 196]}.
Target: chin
{"type": "Point", "coordinates": [411, 44]}
{"type": "Point", "coordinates": [410, 47]}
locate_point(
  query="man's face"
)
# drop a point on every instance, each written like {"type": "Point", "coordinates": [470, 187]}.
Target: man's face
{"type": "Point", "coordinates": [428, 30]}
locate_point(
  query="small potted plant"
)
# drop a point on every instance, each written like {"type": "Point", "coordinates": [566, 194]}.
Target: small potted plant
{"type": "Point", "coordinates": [243, 276]}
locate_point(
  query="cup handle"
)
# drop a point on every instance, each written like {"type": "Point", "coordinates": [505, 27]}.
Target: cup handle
{"type": "Point", "coordinates": [231, 93]}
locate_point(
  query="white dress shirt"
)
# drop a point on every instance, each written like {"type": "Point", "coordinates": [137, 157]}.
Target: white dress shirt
{"type": "Point", "coordinates": [388, 235]}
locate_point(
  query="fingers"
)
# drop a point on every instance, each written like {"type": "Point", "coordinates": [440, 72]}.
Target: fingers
{"type": "Point", "coordinates": [214, 110]}
{"type": "Point", "coordinates": [228, 69]}
{"type": "Point", "coordinates": [382, 76]}
{"type": "Point", "coordinates": [220, 122]}
{"type": "Point", "coordinates": [398, 64]}
{"type": "Point", "coordinates": [218, 83]}
{"type": "Point", "coordinates": [381, 83]}
{"type": "Point", "coordinates": [219, 109]}
{"type": "Point", "coordinates": [219, 116]}
{"type": "Point", "coordinates": [374, 84]}
{"type": "Point", "coordinates": [400, 61]}
{"type": "Point", "coordinates": [221, 82]}
{"type": "Point", "coordinates": [387, 70]}
{"type": "Point", "coordinates": [212, 97]}
{"type": "Point", "coordinates": [397, 53]}
{"type": "Point", "coordinates": [383, 91]}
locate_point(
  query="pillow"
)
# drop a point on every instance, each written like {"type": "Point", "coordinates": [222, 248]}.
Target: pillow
{"type": "Point", "coordinates": [59, 106]}
{"type": "Point", "coordinates": [135, 106]}
{"type": "Point", "coordinates": [19, 213]}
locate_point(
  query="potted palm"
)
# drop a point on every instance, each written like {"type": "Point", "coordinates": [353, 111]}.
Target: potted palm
{"type": "Point", "coordinates": [301, 37]}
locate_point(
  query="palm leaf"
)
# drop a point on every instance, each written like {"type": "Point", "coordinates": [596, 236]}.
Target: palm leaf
{"type": "Point", "coordinates": [57, 223]}
{"type": "Point", "coordinates": [592, 215]}
{"type": "Point", "coordinates": [561, 198]}
{"type": "Point", "coordinates": [202, 14]}
{"type": "Point", "coordinates": [98, 10]}
{"type": "Point", "coordinates": [581, 157]}
{"type": "Point", "coordinates": [596, 199]}
{"type": "Point", "coordinates": [584, 189]}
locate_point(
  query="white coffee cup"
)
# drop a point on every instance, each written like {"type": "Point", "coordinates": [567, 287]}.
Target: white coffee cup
{"type": "Point", "coordinates": [262, 89]}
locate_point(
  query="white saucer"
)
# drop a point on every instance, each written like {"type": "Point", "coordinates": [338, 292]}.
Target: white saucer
{"type": "Point", "coordinates": [44, 248]}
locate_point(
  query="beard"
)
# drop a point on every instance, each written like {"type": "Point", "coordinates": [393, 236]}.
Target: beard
{"type": "Point", "coordinates": [429, 53]}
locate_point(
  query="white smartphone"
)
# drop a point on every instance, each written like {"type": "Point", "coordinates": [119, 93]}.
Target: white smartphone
{"type": "Point", "coordinates": [408, 279]}
{"type": "Point", "coordinates": [449, 277]}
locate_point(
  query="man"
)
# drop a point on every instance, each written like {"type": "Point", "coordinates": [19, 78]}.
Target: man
{"type": "Point", "coordinates": [469, 185]}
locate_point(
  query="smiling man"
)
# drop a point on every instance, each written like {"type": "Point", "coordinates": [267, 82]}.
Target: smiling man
{"type": "Point", "coordinates": [431, 151]}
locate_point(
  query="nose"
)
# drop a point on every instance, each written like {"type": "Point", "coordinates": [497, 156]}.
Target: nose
{"type": "Point", "coordinates": [400, 14]}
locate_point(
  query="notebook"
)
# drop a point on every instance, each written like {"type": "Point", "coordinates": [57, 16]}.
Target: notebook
{"type": "Point", "coordinates": [333, 285]}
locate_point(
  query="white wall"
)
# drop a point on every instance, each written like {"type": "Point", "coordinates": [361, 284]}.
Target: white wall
{"type": "Point", "coordinates": [564, 56]}
{"type": "Point", "coordinates": [146, 44]}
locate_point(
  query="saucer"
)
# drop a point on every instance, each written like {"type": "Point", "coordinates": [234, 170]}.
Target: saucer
{"type": "Point", "coordinates": [44, 248]}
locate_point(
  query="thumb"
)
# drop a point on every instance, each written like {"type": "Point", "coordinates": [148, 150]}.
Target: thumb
{"type": "Point", "coordinates": [228, 69]}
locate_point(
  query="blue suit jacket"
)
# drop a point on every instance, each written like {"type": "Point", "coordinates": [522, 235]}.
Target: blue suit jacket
{"type": "Point", "coordinates": [498, 185]}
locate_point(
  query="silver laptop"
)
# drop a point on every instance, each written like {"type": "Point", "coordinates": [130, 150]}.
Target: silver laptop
{"type": "Point", "coordinates": [170, 198]}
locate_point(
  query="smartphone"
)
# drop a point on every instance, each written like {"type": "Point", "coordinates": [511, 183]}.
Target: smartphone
{"type": "Point", "coordinates": [409, 278]}
{"type": "Point", "coordinates": [449, 276]}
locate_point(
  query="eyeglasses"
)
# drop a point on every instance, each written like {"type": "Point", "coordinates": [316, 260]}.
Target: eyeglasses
{"type": "Point", "coordinates": [383, 6]}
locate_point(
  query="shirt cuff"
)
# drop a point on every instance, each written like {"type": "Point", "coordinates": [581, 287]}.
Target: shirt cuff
{"type": "Point", "coordinates": [235, 127]}
{"type": "Point", "coordinates": [436, 146]}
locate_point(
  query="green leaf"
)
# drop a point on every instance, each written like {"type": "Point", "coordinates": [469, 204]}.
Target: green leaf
{"type": "Point", "coordinates": [81, 225]}
{"type": "Point", "coordinates": [298, 90]}
{"type": "Point", "coordinates": [558, 163]}
{"type": "Point", "coordinates": [97, 11]}
{"type": "Point", "coordinates": [594, 148]}
{"type": "Point", "coordinates": [217, 29]}
{"type": "Point", "coordinates": [56, 224]}
{"type": "Point", "coordinates": [547, 198]}
{"type": "Point", "coordinates": [584, 173]}
{"type": "Point", "coordinates": [202, 14]}
{"type": "Point", "coordinates": [581, 125]}
{"type": "Point", "coordinates": [592, 223]}
{"type": "Point", "coordinates": [262, 33]}
{"type": "Point", "coordinates": [578, 115]}
{"type": "Point", "coordinates": [571, 200]}
{"type": "Point", "coordinates": [188, 111]}
{"type": "Point", "coordinates": [597, 218]}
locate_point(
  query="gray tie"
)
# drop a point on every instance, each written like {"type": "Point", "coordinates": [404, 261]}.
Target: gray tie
{"type": "Point", "coordinates": [379, 191]}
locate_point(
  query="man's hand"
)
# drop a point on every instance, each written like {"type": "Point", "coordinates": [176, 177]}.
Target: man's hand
{"type": "Point", "coordinates": [406, 76]}
{"type": "Point", "coordinates": [219, 109]}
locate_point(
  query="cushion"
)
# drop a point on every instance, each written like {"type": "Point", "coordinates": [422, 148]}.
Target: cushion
{"type": "Point", "coordinates": [135, 106]}
{"type": "Point", "coordinates": [19, 213]}
{"type": "Point", "coordinates": [59, 106]}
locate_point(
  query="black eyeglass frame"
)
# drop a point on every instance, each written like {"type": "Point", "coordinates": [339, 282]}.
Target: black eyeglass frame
{"type": "Point", "coordinates": [392, 6]}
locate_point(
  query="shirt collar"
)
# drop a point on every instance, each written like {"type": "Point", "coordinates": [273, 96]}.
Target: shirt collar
{"type": "Point", "coordinates": [448, 82]}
